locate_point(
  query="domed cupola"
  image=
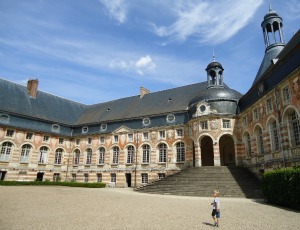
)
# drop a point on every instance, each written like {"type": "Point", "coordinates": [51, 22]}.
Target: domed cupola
{"type": "Point", "coordinates": [274, 41]}
{"type": "Point", "coordinates": [214, 74]}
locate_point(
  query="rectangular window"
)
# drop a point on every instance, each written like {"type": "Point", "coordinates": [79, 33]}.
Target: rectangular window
{"type": "Point", "coordinates": [116, 138]}
{"type": "Point", "coordinates": [274, 137]}
{"type": "Point", "coordinates": [245, 120]}
{"type": "Point", "coordinates": [102, 140]}
{"type": "Point", "coordinates": [226, 124]}
{"type": "Point", "coordinates": [61, 141]}
{"type": "Point", "coordinates": [89, 140]}
{"type": "Point", "coordinates": [29, 136]}
{"type": "Point", "coordinates": [130, 137]}
{"type": "Point", "coordinates": [46, 139]}
{"type": "Point", "coordinates": [10, 133]}
{"type": "Point", "coordinates": [73, 177]}
{"type": "Point", "coordinates": [161, 175]}
{"type": "Point", "coordinates": [162, 134]}
{"type": "Point", "coordinates": [99, 177]}
{"type": "Point", "coordinates": [144, 178]}
{"type": "Point", "coordinates": [179, 132]}
{"type": "Point", "coordinates": [113, 178]}
{"type": "Point", "coordinates": [269, 105]}
{"type": "Point", "coordinates": [86, 177]}
{"type": "Point", "coordinates": [203, 125]}
{"type": "Point", "coordinates": [286, 94]}
{"type": "Point", "coordinates": [56, 177]}
{"type": "Point", "coordinates": [146, 136]}
{"type": "Point", "coordinates": [255, 114]}
{"type": "Point", "coordinates": [77, 141]}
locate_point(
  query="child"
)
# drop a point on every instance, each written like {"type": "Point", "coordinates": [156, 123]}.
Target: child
{"type": "Point", "coordinates": [216, 208]}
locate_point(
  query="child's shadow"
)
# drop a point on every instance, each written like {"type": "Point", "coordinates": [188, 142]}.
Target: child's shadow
{"type": "Point", "coordinates": [209, 224]}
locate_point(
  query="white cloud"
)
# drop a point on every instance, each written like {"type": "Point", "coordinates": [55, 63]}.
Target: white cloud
{"type": "Point", "coordinates": [210, 21]}
{"type": "Point", "coordinates": [117, 9]}
{"type": "Point", "coordinates": [144, 63]}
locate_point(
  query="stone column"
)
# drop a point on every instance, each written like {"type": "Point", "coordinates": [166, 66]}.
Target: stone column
{"type": "Point", "coordinates": [217, 156]}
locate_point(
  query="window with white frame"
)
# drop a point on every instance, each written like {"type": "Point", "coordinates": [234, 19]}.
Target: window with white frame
{"type": "Point", "coordinates": [25, 153]}
{"type": "Point", "coordinates": [58, 156]}
{"type": "Point", "coordinates": [269, 105]}
{"type": "Point", "coordinates": [146, 136]}
{"type": "Point", "coordinates": [226, 124]}
{"type": "Point", "coordinates": [171, 118]}
{"type": "Point", "coordinates": [99, 177]}
{"type": "Point", "coordinates": [86, 177]}
{"type": "Point", "coordinates": [144, 178]}
{"type": "Point", "coordinates": [46, 139]}
{"type": "Point", "coordinates": [162, 153]}
{"type": "Point", "coordinates": [43, 155]}
{"type": "Point", "coordinates": [116, 138]}
{"type": "Point", "coordinates": [255, 114]}
{"type": "Point", "coordinates": [161, 175]}
{"type": "Point", "coordinates": [146, 154]}
{"type": "Point", "coordinates": [248, 144]}
{"type": "Point", "coordinates": [180, 152]}
{"type": "Point", "coordinates": [85, 129]}
{"type": "Point", "coordinates": [179, 132]}
{"type": "Point", "coordinates": [203, 125]}
{"type": "Point", "coordinates": [89, 154]}
{"type": "Point", "coordinates": [61, 141]}
{"type": "Point", "coordinates": [286, 94]}
{"type": "Point", "coordinates": [146, 121]}
{"type": "Point", "coordinates": [130, 137]}
{"type": "Point", "coordinates": [113, 177]}
{"type": "Point", "coordinates": [101, 155]}
{"type": "Point", "coordinates": [294, 127]}
{"type": "Point", "coordinates": [103, 127]}
{"type": "Point", "coordinates": [245, 121]}
{"type": "Point", "coordinates": [29, 136]}
{"type": "Point", "coordinates": [115, 158]}
{"type": "Point", "coordinates": [162, 134]}
{"type": "Point", "coordinates": [55, 128]}
{"type": "Point", "coordinates": [130, 153]}
{"type": "Point", "coordinates": [76, 156]}
{"type": "Point", "coordinates": [274, 136]}
{"type": "Point", "coordinates": [6, 151]}
{"type": "Point", "coordinates": [102, 140]}
{"type": "Point", "coordinates": [10, 133]}
{"type": "Point", "coordinates": [260, 142]}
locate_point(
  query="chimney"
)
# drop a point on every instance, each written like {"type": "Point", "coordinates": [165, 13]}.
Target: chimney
{"type": "Point", "coordinates": [32, 87]}
{"type": "Point", "coordinates": [143, 91]}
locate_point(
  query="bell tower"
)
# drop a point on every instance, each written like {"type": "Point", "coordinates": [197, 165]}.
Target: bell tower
{"type": "Point", "coordinates": [214, 74]}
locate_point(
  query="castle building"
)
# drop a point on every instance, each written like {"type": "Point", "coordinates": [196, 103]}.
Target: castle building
{"type": "Point", "coordinates": [131, 141]}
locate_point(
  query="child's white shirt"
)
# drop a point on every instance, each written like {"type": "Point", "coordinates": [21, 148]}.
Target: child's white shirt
{"type": "Point", "coordinates": [216, 200]}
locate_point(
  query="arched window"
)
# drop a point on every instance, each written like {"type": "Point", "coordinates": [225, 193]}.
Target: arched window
{"type": "Point", "coordinates": [130, 153]}
{"type": "Point", "coordinates": [146, 154]}
{"type": "Point", "coordinates": [162, 155]}
{"type": "Point", "coordinates": [274, 136]}
{"type": "Point", "coordinates": [43, 155]}
{"type": "Point", "coordinates": [89, 154]}
{"type": "Point", "coordinates": [180, 152]}
{"type": "Point", "coordinates": [58, 156]}
{"type": "Point", "coordinates": [76, 156]}
{"type": "Point", "coordinates": [260, 142]}
{"type": "Point", "coordinates": [116, 152]}
{"type": "Point", "coordinates": [101, 155]}
{"type": "Point", "coordinates": [294, 126]}
{"type": "Point", "coordinates": [25, 153]}
{"type": "Point", "coordinates": [6, 151]}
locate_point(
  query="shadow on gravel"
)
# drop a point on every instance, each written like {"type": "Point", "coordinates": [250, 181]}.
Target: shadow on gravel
{"type": "Point", "coordinates": [264, 202]}
{"type": "Point", "coordinates": [208, 224]}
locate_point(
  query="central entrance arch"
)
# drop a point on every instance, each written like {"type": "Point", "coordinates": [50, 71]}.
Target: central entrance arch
{"type": "Point", "coordinates": [207, 151]}
{"type": "Point", "coordinates": [227, 152]}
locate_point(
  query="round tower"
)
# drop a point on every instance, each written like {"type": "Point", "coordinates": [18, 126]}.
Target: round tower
{"type": "Point", "coordinates": [214, 74]}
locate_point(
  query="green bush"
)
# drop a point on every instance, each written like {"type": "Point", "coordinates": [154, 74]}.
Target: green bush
{"type": "Point", "coordinates": [52, 183]}
{"type": "Point", "coordinates": [282, 187]}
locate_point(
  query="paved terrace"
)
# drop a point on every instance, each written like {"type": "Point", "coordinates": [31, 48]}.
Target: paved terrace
{"type": "Point", "coordinates": [65, 208]}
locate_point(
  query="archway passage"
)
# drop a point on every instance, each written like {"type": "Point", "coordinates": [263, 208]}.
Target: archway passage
{"type": "Point", "coordinates": [207, 152]}
{"type": "Point", "coordinates": [227, 152]}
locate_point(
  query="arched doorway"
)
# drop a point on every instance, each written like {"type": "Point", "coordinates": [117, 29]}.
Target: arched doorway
{"type": "Point", "coordinates": [207, 152]}
{"type": "Point", "coordinates": [227, 152]}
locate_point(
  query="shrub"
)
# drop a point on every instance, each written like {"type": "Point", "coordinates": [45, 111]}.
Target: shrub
{"type": "Point", "coordinates": [282, 187]}
{"type": "Point", "coordinates": [53, 183]}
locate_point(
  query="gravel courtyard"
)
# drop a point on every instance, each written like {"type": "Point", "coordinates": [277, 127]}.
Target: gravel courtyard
{"type": "Point", "coordinates": [56, 208]}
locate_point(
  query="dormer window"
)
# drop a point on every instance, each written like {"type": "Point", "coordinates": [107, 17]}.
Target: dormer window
{"type": "Point", "coordinates": [55, 128]}
{"type": "Point", "coordinates": [146, 121]}
{"type": "Point", "coordinates": [4, 118]}
{"type": "Point", "coordinates": [85, 129]}
{"type": "Point", "coordinates": [171, 118]}
{"type": "Point", "coordinates": [103, 127]}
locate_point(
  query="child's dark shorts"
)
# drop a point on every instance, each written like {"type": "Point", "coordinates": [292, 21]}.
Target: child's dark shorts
{"type": "Point", "coordinates": [215, 213]}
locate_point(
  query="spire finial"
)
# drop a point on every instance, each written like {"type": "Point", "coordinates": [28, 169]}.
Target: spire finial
{"type": "Point", "coordinates": [270, 8]}
{"type": "Point", "coordinates": [214, 58]}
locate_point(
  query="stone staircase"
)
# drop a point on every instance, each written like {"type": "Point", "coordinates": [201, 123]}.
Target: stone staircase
{"type": "Point", "coordinates": [202, 181]}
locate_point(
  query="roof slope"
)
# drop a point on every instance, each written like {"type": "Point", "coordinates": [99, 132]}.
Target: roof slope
{"type": "Point", "coordinates": [14, 98]}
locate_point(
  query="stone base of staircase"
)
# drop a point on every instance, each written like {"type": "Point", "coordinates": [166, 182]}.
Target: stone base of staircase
{"type": "Point", "coordinates": [202, 181]}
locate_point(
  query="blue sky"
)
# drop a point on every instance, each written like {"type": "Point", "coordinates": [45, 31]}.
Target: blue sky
{"type": "Point", "coordinates": [93, 51]}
